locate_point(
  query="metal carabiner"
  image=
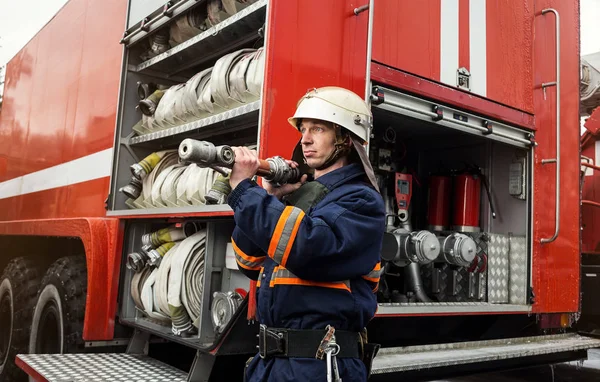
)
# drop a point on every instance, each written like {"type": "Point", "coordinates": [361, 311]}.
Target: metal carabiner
{"type": "Point", "coordinates": [333, 373]}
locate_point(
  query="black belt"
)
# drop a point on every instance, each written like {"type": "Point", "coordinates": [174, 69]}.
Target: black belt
{"type": "Point", "coordinates": [292, 343]}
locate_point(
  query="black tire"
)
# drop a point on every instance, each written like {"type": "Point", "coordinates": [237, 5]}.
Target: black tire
{"type": "Point", "coordinates": [57, 323]}
{"type": "Point", "coordinates": [18, 290]}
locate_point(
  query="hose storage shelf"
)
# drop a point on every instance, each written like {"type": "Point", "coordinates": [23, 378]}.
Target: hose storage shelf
{"type": "Point", "coordinates": [227, 121]}
{"type": "Point", "coordinates": [195, 211]}
{"type": "Point", "coordinates": [228, 35]}
{"type": "Point", "coordinates": [175, 270]}
{"type": "Point", "coordinates": [163, 332]}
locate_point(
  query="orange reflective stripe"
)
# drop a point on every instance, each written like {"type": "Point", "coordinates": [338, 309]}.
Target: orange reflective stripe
{"type": "Point", "coordinates": [282, 276]}
{"type": "Point", "coordinates": [275, 270]}
{"type": "Point", "coordinates": [279, 230]}
{"type": "Point", "coordinates": [248, 267]}
{"type": "Point", "coordinates": [371, 279]}
{"type": "Point", "coordinates": [262, 269]}
{"type": "Point", "coordinates": [240, 253]}
{"type": "Point", "coordinates": [298, 281]}
{"type": "Point", "coordinates": [290, 243]}
{"type": "Point", "coordinates": [375, 274]}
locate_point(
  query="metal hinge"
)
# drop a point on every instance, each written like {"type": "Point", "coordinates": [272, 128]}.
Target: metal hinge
{"type": "Point", "coordinates": [530, 295]}
{"type": "Point", "coordinates": [463, 79]}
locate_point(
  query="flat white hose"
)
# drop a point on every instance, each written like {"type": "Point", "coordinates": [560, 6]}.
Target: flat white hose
{"type": "Point", "coordinates": [157, 185]}
{"type": "Point", "coordinates": [147, 297]}
{"type": "Point", "coordinates": [181, 321]}
{"type": "Point", "coordinates": [238, 89]}
{"type": "Point", "coordinates": [256, 73]}
{"type": "Point", "coordinates": [162, 281]}
{"type": "Point", "coordinates": [168, 190]}
{"type": "Point", "coordinates": [193, 276]}
{"type": "Point", "coordinates": [182, 185]}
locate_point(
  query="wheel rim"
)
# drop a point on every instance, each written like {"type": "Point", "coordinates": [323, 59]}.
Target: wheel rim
{"type": "Point", "coordinates": [48, 334]}
{"type": "Point", "coordinates": [5, 330]}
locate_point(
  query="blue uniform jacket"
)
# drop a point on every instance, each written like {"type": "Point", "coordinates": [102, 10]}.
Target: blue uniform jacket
{"type": "Point", "coordinates": [312, 269]}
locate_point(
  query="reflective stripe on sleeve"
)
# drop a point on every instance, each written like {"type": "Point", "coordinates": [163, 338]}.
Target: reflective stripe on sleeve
{"type": "Point", "coordinates": [375, 274]}
{"type": "Point", "coordinates": [285, 234]}
{"type": "Point", "coordinates": [251, 263]}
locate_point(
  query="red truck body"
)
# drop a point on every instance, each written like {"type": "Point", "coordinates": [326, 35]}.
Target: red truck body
{"type": "Point", "coordinates": [64, 90]}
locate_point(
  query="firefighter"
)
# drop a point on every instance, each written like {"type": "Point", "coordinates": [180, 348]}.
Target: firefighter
{"type": "Point", "coordinates": [313, 247]}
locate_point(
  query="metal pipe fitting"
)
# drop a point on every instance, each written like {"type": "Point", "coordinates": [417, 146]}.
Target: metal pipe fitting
{"type": "Point", "coordinates": [420, 247]}
{"type": "Point", "coordinates": [458, 249]}
{"type": "Point", "coordinates": [136, 261]}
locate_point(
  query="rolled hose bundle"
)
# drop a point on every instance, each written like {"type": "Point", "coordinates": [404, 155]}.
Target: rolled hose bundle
{"type": "Point", "coordinates": [235, 79]}
{"type": "Point", "coordinates": [167, 183]}
{"type": "Point", "coordinates": [173, 291]}
{"type": "Point", "coordinates": [182, 266]}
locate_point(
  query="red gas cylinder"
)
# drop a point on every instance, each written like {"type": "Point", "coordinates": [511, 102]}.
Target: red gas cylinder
{"type": "Point", "coordinates": [438, 213]}
{"type": "Point", "coordinates": [467, 195]}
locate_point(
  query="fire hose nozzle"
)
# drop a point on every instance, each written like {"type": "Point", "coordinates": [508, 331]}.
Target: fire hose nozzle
{"type": "Point", "coordinates": [275, 170]}
{"type": "Point", "coordinates": [133, 189]}
{"type": "Point", "coordinates": [280, 172]}
{"type": "Point", "coordinates": [136, 261]}
{"type": "Point", "coordinates": [205, 153]}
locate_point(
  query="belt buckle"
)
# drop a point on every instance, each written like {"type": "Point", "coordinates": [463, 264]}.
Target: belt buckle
{"type": "Point", "coordinates": [277, 337]}
{"type": "Point", "coordinates": [262, 341]}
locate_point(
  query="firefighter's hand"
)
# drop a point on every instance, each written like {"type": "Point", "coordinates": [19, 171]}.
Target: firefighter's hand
{"type": "Point", "coordinates": [280, 192]}
{"type": "Point", "coordinates": [245, 166]}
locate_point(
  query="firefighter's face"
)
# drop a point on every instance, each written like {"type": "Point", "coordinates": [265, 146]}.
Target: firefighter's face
{"type": "Point", "coordinates": [318, 141]}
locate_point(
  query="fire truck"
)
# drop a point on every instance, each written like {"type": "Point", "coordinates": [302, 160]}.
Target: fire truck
{"type": "Point", "coordinates": [117, 258]}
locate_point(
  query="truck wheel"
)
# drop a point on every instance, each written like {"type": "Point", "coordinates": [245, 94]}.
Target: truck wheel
{"type": "Point", "coordinates": [57, 325]}
{"type": "Point", "coordinates": [18, 289]}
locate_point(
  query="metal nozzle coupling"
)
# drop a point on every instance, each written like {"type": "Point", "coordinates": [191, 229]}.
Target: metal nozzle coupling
{"type": "Point", "coordinates": [148, 105]}
{"type": "Point", "coordinates": [147, 240]}
{"type": "Point", "coordinates": [133, 189]}
{"type": "Point", "coordinates": [422, 247]}
{"type": "Point", "coordinates": [404, 247]}
{"type": "Point", "coordinates": [219, 191]}
{"type": "Point", "coordinates": [145, 90]}
{"type": "Point", "coordinates": [154, 258]}
{"type": "Point", "coordinates": [206, 153]}
{"type": "Point", "coordinates": [155, 255]}
{"type": "Point", "coordinates": [281, 172]}
{"type": "Point", "coordinates": [138, 171]}
{"type": "Point", "coordinates": [136, 261]}
{"type": "Point", "coordinates": [458, 249]}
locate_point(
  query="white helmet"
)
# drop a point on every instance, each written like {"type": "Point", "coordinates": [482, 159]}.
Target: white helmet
{"type": "Point", "coordinates": [344, 108]}
{"type": "Point", "coordinates": [336, 105]}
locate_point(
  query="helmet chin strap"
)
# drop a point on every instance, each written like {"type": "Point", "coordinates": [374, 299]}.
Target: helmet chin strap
{"type": "Point", "coordinates": [342, 148]}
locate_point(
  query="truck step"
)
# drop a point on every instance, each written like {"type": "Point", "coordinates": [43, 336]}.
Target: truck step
{"type": "Point", "coordinates": [97, 367]}
{"type": "Point", "coordinates": [415, 358]}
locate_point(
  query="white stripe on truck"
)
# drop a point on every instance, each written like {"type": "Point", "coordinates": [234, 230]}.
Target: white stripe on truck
{"type": "Point", "coordinates": [90, 167]}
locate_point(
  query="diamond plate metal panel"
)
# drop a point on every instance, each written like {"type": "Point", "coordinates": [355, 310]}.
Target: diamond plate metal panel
{"type": "Point", "coordinates": [407, 358]}
{"type": "Point", "coordinates": [101, 367]}
{"type": "Point", "coordinates": [517, 270]}
{"type": "Point", "coordinates": [498, 268]}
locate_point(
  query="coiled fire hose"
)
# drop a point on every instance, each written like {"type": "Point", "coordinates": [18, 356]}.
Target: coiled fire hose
{"type": "Point", "coordinates": [235, 79]}
{"type": "Point", "coordinates": [162, 282]}
{"type": "Point", "coordinates": [167, 183]}
{"type": "Point", "coordinates": [157, 244]}
{"type": "Point", "coordinates": [181, 313]}
{"type": "Point", "coordinates": [173, 290]}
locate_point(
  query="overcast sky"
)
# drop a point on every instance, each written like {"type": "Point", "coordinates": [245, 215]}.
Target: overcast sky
{"type": "Point", "coordinates": [20, 20]}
